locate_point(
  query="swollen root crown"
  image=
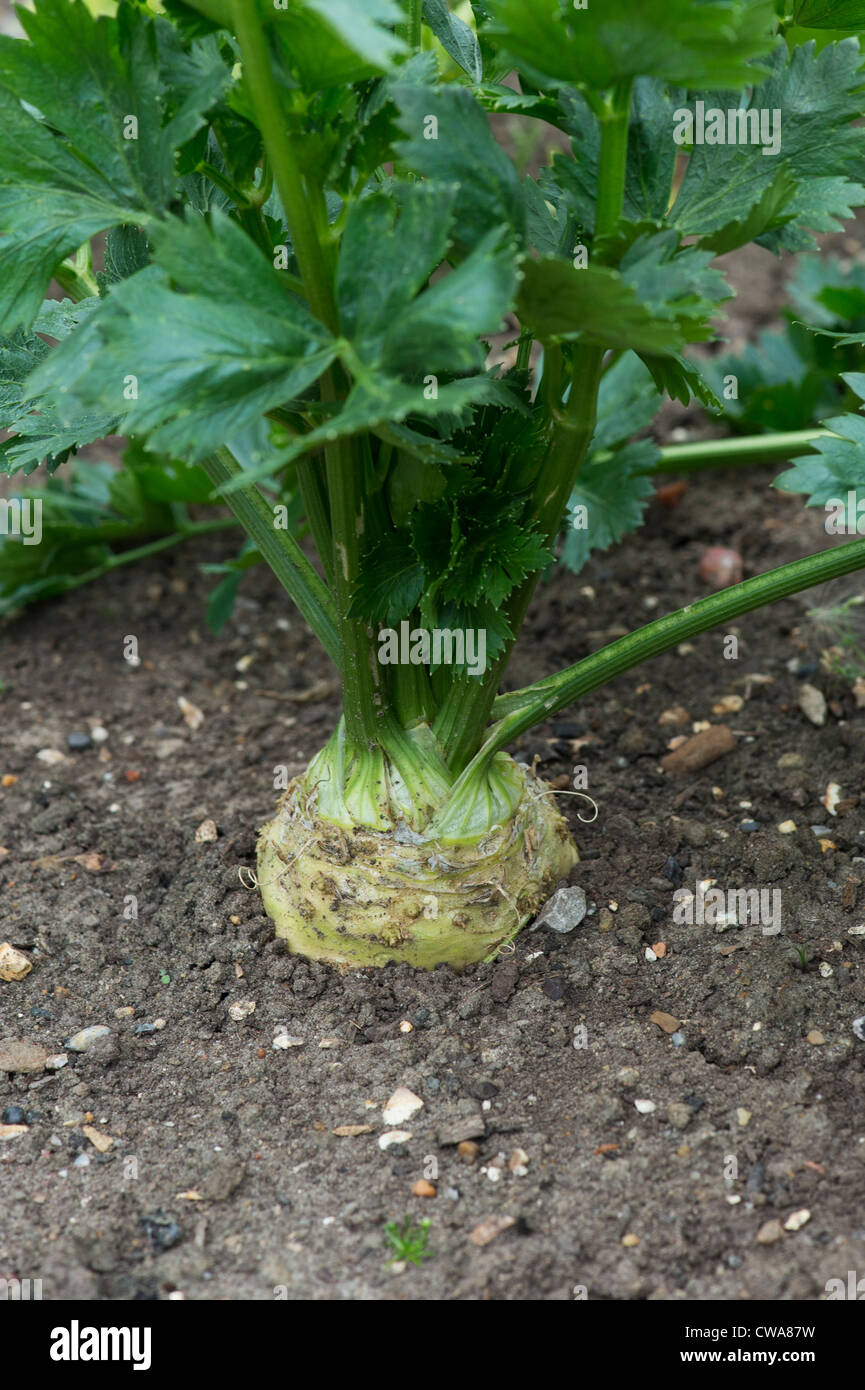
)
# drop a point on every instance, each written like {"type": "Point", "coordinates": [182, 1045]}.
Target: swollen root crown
{"type": "Point", "coordinates": [363, 895]}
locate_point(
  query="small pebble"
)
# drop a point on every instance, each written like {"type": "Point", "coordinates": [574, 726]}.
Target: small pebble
{"type": "Point", "coordinates": [193, 717]}
{"type": "Point", "coordinates": [422, 1188]}
{"type": "Point", "coordinates": [79, 1042]}
{"type": "Point", "coordinates": [14, 965]}
{"type": "Point", "coordinates": [468, 1151]}
{"type": "Point", "coordinates": [812, 703]}
{"type": "Point", "coordinates": [743, 1116]}
{"type": "Point", "coordinates": [630, 1240]}
{"type": "Point", "coordinates": [645, 1107]}
{"type": "Point", "coordinates": [628, 1076]}
{"type": "Point", "coordinates": [393, 1136]}
{"type": "Point", "coordinates": [50, 755]}
{"type": "Point", "coordinates": [563, 911]}
{"type": "Point", "coordinates": [401, 1106]}
{"type": "Point", "coordinates": [815, 1038]}
{"type": "Point", "coordinates": [99, 734]}
{"type": "Point", "coordinates": [490, 1228]}
{"type": "Point", "coordinates": [679, 1114]}
{"type": "Point", "coordinates": [56, 1061]}
{"type": "Point", "coordinates": [12, 1115]}
{"type": "Point", "coordinates": [206, 832]}
{"type": "Point", "coordinates": [678, 1039]}
{"type": "Point", "coordinates": [720, 566]}
{"type": "Point", "coordinates": [241, 1009]}
{"type": "Point", "coordinates": [676, 718]}
{"type": "Point", "coordinates": [78, 741]}
{"type": "Point", "coordinates": [797, 1219]}
{"type": "Point", "coordinates": [770, 1232]}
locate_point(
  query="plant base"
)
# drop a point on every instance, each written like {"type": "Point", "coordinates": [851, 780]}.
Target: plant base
{"type": "Point", "coordinates": [362, 897]}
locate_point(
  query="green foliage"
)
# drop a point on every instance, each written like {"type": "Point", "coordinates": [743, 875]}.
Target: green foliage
{"type": "Point", "coordinates": [73, 164]}
{"type": "Point", "coordinates": [736, 186]}
{"type": "Point", "coordinates": [837, 471]}
{"type": "Point", "coordinates": [89, 519]}
{"type": "Point", "coordinates": [456, 37]}
{"type": "Point", "coordinates": [316, 245]}
{"type": "Point", "coordinates": [614, 486]}
{"type": "Point", "coordinates": [205, 366]}
{"type": "Point", "coordinates": [407, 1241]}
{"type": "Point", "coordinates": [658, 300]}
{"type": "Point", "coordinates": [707, 44]}
{"type": "Point", "coordinates": [830, 14]}
{"type": "Point", "coordinates": [791, 379]}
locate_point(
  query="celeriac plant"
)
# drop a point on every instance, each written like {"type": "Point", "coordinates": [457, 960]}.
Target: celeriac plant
{"type": "Point", "coordinates": [311, 234]}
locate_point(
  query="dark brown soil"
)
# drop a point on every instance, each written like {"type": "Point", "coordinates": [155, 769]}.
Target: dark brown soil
{"type": "Point", "coordinates": [225, 1179]}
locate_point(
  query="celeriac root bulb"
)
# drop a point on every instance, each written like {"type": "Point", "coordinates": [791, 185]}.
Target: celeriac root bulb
{"type": "Point", "coordinates": [362, 896]}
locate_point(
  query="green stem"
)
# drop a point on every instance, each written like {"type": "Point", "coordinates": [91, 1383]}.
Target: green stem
{"type": "Point", "coordinates": [279, 549]}
{"type": "Point", "coordinates": [265, 96]}
{"type": "Point", "coordinates": [464, 714]}
{"type": "Point", "coordinates": [411, 29]}
{"type": "Point", "coordinates": [613, 160]}
{"type": "Point", "coordinates": [524, 708]}
{"type": "Point", "coordinates": [76, 277]}
{"type": "Point", "coordinates": [363, 692]}
{"type": "Point", "coordinates": [731, 453]}
{"type": "Point", "coordinates": [363, 696]}
{"type": "Point", "coordinates": [313, 493]}
{"type": "Point", "coordinates": [143, 552]}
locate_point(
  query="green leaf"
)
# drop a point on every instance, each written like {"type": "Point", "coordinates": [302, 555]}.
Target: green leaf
{"type": "Point", "coordinates": [830, 14]}
{"type": "Point", "coordinates": [184, 368]}
{"type": "Point", "coordinates": [95, 144]}
{"type": "Point", "coordinates": [778, 388]}
{"type": "Point", "coordinates": [456, 37]}
{"type": "Point", "coordinates": [628, 402]}
{"type": "Point", "coordinates": [673, 283]}
{"type": "Point", "coordinates": [707, 44]}
{"type": "Point", "coordinates": [82, 519]}
{"type": "Point", "coordinates": [449, 141]}
{"type": "Point", "coordinates": [825, 294]}
{"type": "Point", "coordinates": [651, 158]}
{"type": "Point", "coordinates": [680, 379]}
{"type": "Point", "coordinates": [391, 581]}
{"type": "Point", "coordinates": [220, 604]}
{"type": "Point", "coordinates": [609, 499]}
{"type": "Point", "coordinates": [393, 241]}
{"type": "Point", "coordinates": [331, 43]}
{"type": "Point", "coordinates": [127, 250]}
{"type": "Point", "coordinates": [401, 337]}
{"type": "Point", "coordinates": [836, 473]}
{"type": "Point", "coordinates": [383, 400]}
{"type": "Point", "coordinates": [818, 95]}
{"type": "Point", "coordinates": [660, 298]}
{"type": "Point", "coordinates": [557, 302]}
{"type": "Point", "coordinates": [42, 431]}
{"type": "Point", "coordinates": [773, 209]}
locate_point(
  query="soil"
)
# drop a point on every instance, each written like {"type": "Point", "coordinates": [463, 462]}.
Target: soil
{"type": "Point", "coordinates": [225, 1179]}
